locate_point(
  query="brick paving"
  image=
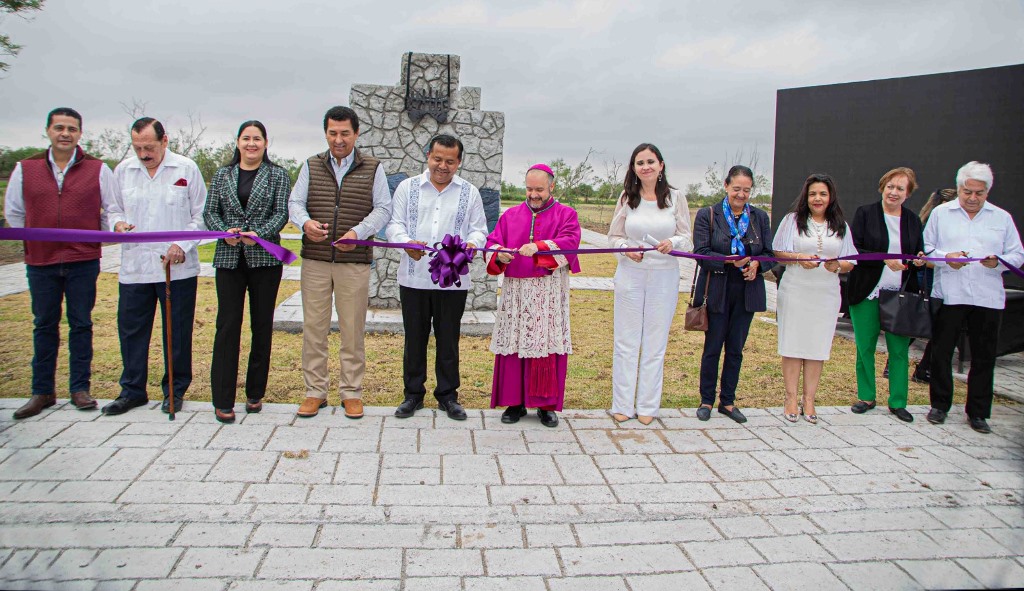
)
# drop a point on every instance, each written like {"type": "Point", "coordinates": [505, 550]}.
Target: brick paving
{"type": "Point", "coordinates": [137, 502]}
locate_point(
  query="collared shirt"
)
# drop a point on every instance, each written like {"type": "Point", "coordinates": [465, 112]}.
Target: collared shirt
{"type": "Point", "coordinates": [172, 199]}
{"type": "Point", "coordinates": [14, 198]}
{"type": "Point", "coordinates": [427, 215]}
{"type": "Point", "coordinates": [991, 232]}
{"type": "Point", "coordinates": [374, 222]}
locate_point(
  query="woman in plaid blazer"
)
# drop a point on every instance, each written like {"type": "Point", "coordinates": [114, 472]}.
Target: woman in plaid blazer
{"type": "Point", "coordinates": [248, 197]}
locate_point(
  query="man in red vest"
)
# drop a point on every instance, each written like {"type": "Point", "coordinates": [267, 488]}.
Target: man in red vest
{"type": "Point", "coordinates": [62, 187]}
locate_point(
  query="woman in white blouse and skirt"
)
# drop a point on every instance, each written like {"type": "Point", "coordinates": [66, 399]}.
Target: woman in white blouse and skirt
{"type": "Point", "coordinates": [650, 212]}
{"type": "Point", "coordinates": [813, 234]}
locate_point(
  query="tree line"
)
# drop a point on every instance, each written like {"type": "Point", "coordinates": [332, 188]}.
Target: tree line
{"type": "Point", "coordinates": [580, 183]}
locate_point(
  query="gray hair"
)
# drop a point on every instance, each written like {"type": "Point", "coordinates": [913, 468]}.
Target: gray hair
{"type": "Point", "coordinates": [974, 171]}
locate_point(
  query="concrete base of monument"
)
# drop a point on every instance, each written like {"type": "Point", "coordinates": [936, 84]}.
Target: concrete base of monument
{"type": "Point", "coordinates": [288, 317]}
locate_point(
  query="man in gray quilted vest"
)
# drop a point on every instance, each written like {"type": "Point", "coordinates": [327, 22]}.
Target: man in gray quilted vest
{"type": "Point", "coordinates": [340, 193]}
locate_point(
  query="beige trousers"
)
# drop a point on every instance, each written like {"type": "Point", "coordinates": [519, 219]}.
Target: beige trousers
{"type": "Point", "coordinates": [349, 283]}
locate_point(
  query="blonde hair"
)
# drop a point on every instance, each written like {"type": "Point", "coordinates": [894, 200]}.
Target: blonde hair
{"type": "Point", "coordinates": [937, 198]}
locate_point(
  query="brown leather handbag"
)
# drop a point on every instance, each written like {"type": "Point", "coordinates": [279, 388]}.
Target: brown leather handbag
{"type": "Point", "coordinates": [697, 316]}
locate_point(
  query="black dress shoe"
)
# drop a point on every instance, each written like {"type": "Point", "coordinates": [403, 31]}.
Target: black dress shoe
{"type": "Point", "coordinates": [548, 418]}
{"type": "Point", "coordinates": [902, 414]}
{"type": "Point", "coordinates": [166, 404]}
{"type": "Point", "coordinates": [885, 370]}
{"type": "Point", "coordinates": [979, 424]}
{"type": "Point", "coordinates": [512, 414]}
{"type": "Point", "coordinates": [936, 416]}
{"type": "Point", "coordinates": [454, 410]}
{"type": "Point", "coordinates": [123, 404]}
{"type": "Point", "coordinates": [733, 414]}
{"type": "Point", "coordinates": [409, 407]}
{"type": "Point", "coordinates": [703, 413]}
{"type": "Point", "coordinates": [921, 376]}
{"type": "Point", "coordinates": [860, 407]}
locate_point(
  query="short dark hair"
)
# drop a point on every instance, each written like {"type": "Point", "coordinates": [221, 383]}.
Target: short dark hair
{"type": "Point", "coordinates": [739, 170]}
{"type": "Point", "coordinates": [342, 114]}
{"type": "Point", "coordinates": [66, 112]}
{"type": "Point", "coordinates": [143, 122]}
{"type": "Point", "coordinates": [448, 141]}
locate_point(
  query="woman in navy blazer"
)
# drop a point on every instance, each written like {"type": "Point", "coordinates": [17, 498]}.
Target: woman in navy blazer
{"type": "Point", "coordinates": [736, 288]}
{"type": "Point", "coordinates": [883, 226]}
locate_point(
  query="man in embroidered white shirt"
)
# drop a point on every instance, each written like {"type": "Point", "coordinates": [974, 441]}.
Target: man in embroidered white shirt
{"type": "Point", "coordinates": [159, 191]}
{"type": "Point", "coordinates": [972, 293]}
{"type": "Point", "coordinates": [426, 208]}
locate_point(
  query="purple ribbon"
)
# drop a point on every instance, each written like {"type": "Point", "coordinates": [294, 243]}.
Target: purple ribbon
{"type": "Point", "coordinates": [65, 235]}
{"type": "Point", "coordinates": [868, 256]}
{"type": "Point", "coordinates": [450, 261]}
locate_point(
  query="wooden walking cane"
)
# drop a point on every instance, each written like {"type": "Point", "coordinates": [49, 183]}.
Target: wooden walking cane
{"type": "Point", "coordinates": [169, 349]}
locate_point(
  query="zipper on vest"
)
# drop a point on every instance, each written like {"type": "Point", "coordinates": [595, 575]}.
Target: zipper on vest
{"type": "Point", "coordinates": [334, 224]}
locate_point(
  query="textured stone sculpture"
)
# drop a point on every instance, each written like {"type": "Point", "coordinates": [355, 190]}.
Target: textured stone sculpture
{"type": "Point", "coordinates": [390, 134]}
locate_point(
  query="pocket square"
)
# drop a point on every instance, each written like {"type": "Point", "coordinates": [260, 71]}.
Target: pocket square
{"type": "Point", "coordinates": [181, 183]}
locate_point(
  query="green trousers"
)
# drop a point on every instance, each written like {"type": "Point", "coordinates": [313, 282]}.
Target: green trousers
{"type": "Point", "coordinates": [865, 333]}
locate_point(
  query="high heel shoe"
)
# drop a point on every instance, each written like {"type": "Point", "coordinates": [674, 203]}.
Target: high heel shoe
{"type": "Point", "coordinates": [812, 419]}
{"type": "Point", "coordinates": [791, 417]}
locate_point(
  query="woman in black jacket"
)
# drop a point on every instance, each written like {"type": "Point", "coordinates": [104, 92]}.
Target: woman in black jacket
{"type": "Point", "coordinates": [883, 226]}
{"type": "Point", "coordinates": [736, 288]}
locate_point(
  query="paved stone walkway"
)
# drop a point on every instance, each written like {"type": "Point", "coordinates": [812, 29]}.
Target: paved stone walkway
{"type": "Point", "coordinates": [136, 502]}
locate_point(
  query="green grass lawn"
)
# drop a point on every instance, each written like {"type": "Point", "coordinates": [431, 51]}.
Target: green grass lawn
{"type": "Point", "coordinates": [588, 385]}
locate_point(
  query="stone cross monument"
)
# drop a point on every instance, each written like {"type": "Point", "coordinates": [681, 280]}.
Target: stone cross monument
{"type": "Point", "coordinates": [400, 120]}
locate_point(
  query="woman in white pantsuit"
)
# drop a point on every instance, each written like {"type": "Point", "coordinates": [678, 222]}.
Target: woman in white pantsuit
{"type": "Point", "coordinates": [649, 213]}
{"type": "Point", "coordinates": [815, 233]}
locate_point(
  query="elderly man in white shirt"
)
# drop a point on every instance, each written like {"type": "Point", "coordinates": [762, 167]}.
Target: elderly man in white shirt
{"type": "Point", "coordinates": [159, 191]}
{"type": "Point", "coordinates": [972, 293]}
{"type": "Point", "coordinates": [424, 209]}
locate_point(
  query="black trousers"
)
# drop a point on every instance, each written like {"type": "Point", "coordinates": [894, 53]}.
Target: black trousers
{"type": "Point", "coordinates": [983, 334]}
{"type": "Point", "coordinates": [442, 309]}
{"type": "Point", "coordinates": [727, 329]}
{"type": "Point", "coordinates": [262, 284]}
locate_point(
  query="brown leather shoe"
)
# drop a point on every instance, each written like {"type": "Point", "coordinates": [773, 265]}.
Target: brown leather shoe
{"type": "Point", "coordinates": [83, 401]}
{"type": "Point", "coordinates": [311, 406]}
{"type": "Point", "coordinates": [353, 408]}
{"type": "Point", "coordinates": [35, 405]}
{"type": "Point", "coordinates": [253, 405]}
{"type": "Point", "coordinates": [226, 415]}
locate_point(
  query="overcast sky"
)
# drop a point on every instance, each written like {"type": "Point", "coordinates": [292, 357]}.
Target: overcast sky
{"type": "Point", "coordinates": [696, 78]}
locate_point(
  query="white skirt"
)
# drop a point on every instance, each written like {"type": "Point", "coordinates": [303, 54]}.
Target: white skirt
{"type": "Point", "coordinates": [807, 308]}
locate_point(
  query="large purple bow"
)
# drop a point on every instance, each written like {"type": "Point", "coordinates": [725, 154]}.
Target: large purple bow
{"type": "Point", "coordinates": [449, 261]}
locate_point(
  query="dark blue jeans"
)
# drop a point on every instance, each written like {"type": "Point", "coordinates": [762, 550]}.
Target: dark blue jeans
{"type": "Point", "coordinates": [135, 312]}
{"type": "Point", "coordinates": [728, 329]}
{"type": "Point", "coordinates": [50, 286]}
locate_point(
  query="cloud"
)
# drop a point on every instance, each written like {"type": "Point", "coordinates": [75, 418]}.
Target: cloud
{"type": "Point", "coordinates": [796, 51]}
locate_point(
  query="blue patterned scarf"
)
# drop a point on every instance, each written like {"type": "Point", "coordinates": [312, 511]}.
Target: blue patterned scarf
{"type": "Point", "coordinates": [737, 231]}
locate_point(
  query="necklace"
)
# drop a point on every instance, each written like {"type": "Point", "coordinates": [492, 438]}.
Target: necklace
{"type": "Point", "coordinates": [819, 232]}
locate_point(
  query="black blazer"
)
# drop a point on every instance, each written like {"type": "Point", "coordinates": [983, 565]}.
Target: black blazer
{"type": "Point", "coordinates": [717, 240]}
{"type": "Point", "coordinates": [870, 234]}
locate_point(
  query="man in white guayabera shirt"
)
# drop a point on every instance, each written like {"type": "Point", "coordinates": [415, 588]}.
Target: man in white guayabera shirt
{"type": "Point", "coordinates": [160, 191]}
{"type": "Point", "coordinates": [426, 208]}
{"type": "Point", "coordinates": [972, 293]}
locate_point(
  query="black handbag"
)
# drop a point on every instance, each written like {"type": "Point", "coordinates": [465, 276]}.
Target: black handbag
{"type": "Point", "coordinates": [906, 313]}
